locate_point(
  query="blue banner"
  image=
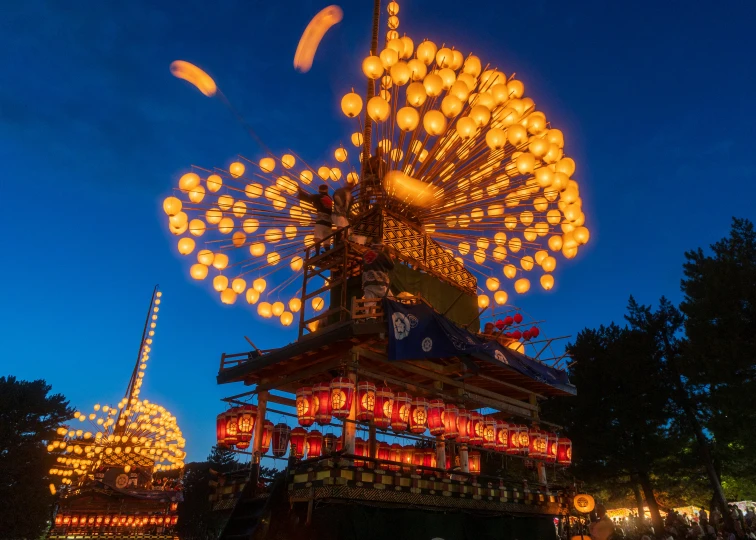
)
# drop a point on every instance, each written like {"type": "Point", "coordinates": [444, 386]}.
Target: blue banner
{"type": "Point", "coordinates": [418, 331]}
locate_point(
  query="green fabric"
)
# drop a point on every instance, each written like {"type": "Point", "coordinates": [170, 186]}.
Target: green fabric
{"type": "Point", "coordinates": [439, 294]}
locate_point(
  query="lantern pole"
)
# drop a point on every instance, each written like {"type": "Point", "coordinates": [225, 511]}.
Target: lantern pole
{"type": "Point", "coordinates": [464, 458]}
{"type": "Point", "coordinates": [440, 452]}
{"type": "Point", "coordinates": [373, 446]}
{"type": "Point", "coordinates": [350, 424]}
{"type": "Point", "coordinates": [262, 405]}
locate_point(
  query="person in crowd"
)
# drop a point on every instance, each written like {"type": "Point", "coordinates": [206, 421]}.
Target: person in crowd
{"type": "Point", "coordinates": [323, 205]}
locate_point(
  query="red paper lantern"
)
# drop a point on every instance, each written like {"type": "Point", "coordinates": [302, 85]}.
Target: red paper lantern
{"type": "Point", "coordinates": [329, 443]}
{"type": "Point", "coordinates": [232, 433]}
{"type": "Point", "coordinates": [564, 451]}
{"type": "Point", "coordinates": [476, 428]}
{"type": "Point", "coordinates": [537, 448]}
{"type": "Point", "coordinates": [90, 520]}
{"type": "Point", "coordinates": [281, 436]}
{"type": "Point", "coordinates": [518, 318]}
{"type": "Point", "coordinates": [153, 520]}
{"type": "Point", "coordinates": [418, 419]}
{"type": "Point", "coordinates": [500, 324]}
{"type": "Point", "coordinates": [514, 439]}
{"type": "Point", "coordinates": [395, 455]}
{"type": "Point", "coordinates": [473, 459]}
{"type": "Point", "coordinates": [266, 436]}
{"type": "Point", "coordinates": [106, 520]}
{"type": "Point", "coordinates": [429, 459]}
{"type": "Point", "coordinates": [408, 454]}
{"type": "Point", "coordinates": [451, 412]}
{"type": "Point", "coordinates": [436, 417]}
{"type": "Point", "coordinates": [74, 520]}
{"type": "Point", "coordinates": [305, 409]}
{"type": "Point", "coordinates": [418, 457]}
{"type": "Point", "coordinates": [551, 447]}
{"type": "Point", "coordinates": [298, 442]}
{"type": "Point", "coordinates": [400, 411]}
{"type": "Point", "coordinates": [489, 433]}
{"type": "Point", "coordinates": [384, 451]}
{"type": "Point", "coordinates": [342, 392]}
{"type": "Point", "coordinates": [66, 520]}
{"type": "Point", "coordinates": [384, 403]}
{"type": "Point", "coordinates": [360, 449]}
{"type": "Point", "coordinates": [516, 335]}
{"type": "Point", "coordinates": [314, 444]}
{"type": "Point", "coordinates": [321, 399]}
{"type": "Point", "coordinates": [220, 429]}
{"type": "Point", "coordinates": [174, 520]}
{"type": "Point", "coordinates": [508, 320]}
{"type": "Point", "coordinates": [365, 401]}
{"type": "Point", "coordinates": [245, 425]}
{"type": "Point", "coordinates": [534, 331]}
{"type": "Point", "coordinates": [58, 519]}
{"type": "Point", "coordinates": [463, 425]}
{"type": "Point", "coordinates": [502, 436]}
{"type": "Point", "coordinates": [526, 335]}
{"type": "Point", "coordinates": [523, 435]}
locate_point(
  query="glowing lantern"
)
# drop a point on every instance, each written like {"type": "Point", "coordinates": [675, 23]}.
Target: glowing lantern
{"type": "Point", "coordinates": [378, 109]}
{"type": "Point", "coordinates": [551, 447]}
{"type": "Point", "coordinates": [314, 444]}
{"type": "Point", "coordinates": [266, 436]}
{"type": "Point", "coordinates": [483, 301]}
{"type": "Point", "coordinates": [321, 400]}
{"type": "Point", "coordinates": [245, 424]}
{"type": "Point", "coordinates": [492, 284]}
{"type": "Point", "coordinates": [365, 400]}
{"type": "Point", "coordinates": [434, 122]}
{"type": "Point", "coordinates": [450, 415]}
{"type": "Point", "coordinates": [400, 411]}
{"type": "Point", "coordinates": [416, 95]}
{"type": "Point", "coordinates": [172, 206]}
{"type": "Point", "coordinates": [280, 439]}
{"type": "Point", "coordinates": [474, 462]}
{"type": "Point", "coordinates": [476, 428]}
{"type": "Point", "coordinates": [547, 281]}
{"type": "Point", "coordinates": [407, 118]}
{"type": "Point", "coordinates": [522, 285]}
{"type": "Point", "coordinates": [231, 427]}
{"type": "Point", "coordinates": [418, 417]}
{"type": "Point", "coordinates": [298, 440]}
{"type": "Point", "coordinates": [342, 391]}
{"type": "Point", "coordinates": [537, 446]}
{"type": "Point", "coordinates": [523, 438]}
{"type": "Point", "coordinates": [329, 444]}
{"type": "Point", "coordinates": [351, 104]}
{"type": "Point", "coordinates": [265, 310]}
{"type": "Point", "coordinates": [384, 403]}
{"type": "Point", "coordinates": [500, 297]}
{"type": "Point", "coordinates": [489, 433]}
{"type": "Point", "coordinates": [198, 271]}
{"type": "Point", "coordinates": [463, 425]}
{"type": "Point", "coordinates": [304, 404]}
{"type": "Point", "coordinates": [220, 429]}
{"type": "Point", "coordinates": [383, 451]}
{"type": "Point", "coordinates": [502, 436]}
{"type": "Point", "coordinates": [436, 424]}
{"type": "Point", "coordinates": [564, 451]}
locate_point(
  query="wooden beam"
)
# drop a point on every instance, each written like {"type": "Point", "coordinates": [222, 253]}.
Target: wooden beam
{"type": "Point", "coordinates": [437, 368]}
{"type": "Point", "coordinates": [446, 380]}
{"type": "Point", "coordinates": [282, 400]}
{"type": "Point", "coordinates": [270, 383]}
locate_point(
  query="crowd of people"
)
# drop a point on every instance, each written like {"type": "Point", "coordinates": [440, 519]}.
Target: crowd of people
{"type": "Point", "coordinates": [677, 526]}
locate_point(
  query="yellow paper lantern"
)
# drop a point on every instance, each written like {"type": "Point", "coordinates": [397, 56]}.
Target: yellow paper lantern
{"type": "Point", "coordinates": [288, 161]}
{"type": "Point", "coordinates": [189, 181]}
{"type": "Point", "coordinates": [317, 303]}
{"type": "Point", "coordinates": [426, 52]}
{"type": "Point", "coordinates": [351, 104]}
{"type": "Point", "coordinates": [500, 297]}
{"type": "Point", "coordinates": [220, 283]}
{"type": "Point", "coordinates": [226, 225]}
{"type": "Point", "coordinates": [239, 285]}
{"type": "Point", "coordinates": [196, 194]}
{"type": "Point", "coordinates": [407, 118]}
{"type": "Point", "coordinates": [388, 57]}
{"type": "Point", "coordinates": [214, 183]}
{"type": "Point", "coordinates": [555, 243]}
{"type": "Point", "coordinates": [220, 261]}
{"type": "Point", "coordinates": [265, 310]}
{"type": "Point", "coordinates": [496, 138]}
{"type": "Point", "coordinates": [372, 67]}
{"type": "Point", "coordinates": [451, 106]}
{"type": "Point", "coordinates": [287, 318]}
{"type": "Point", "coordinates": [198, 271]}
{"type": "Point", "coordinates": [527, 263]}
{"type": "Point", "coordinates": [186, 246]}
{"type": "Point", "coordinates": [434, 122]}
{"type": "Point", "coordinates": [400, 73]}
{"type": "Point", "coordinates": [416, 94]}
{"type": "Point", "coordinates": [295, 304]}
{"type": "Point", "coordinates": [466, 127]}
{"type": "Point", "coordinates": [522, 285]}
{"type": "Point", "coordinates": [479, 256]}
{"type": "Point", "coordinates": [252, 296]}
{"type": "Point", "coordinates": [492, 284]}
{"type": "Point", "coordinates": [378, 109]}
{"type": "Point", "coordinates": [273, 258]}
{"type": "Point", "coordinates": [514, 245]}
{"type": "Point", "coordinates": [433, 84]}
{"type": "Point", "coordinates": [257, 249]}
{"type": "Point", "coordinates": [510, 271]}
{"type": "Point", "coordinates": [205, 256]}
{"type": "Point", "coordinates": [581, 235]}
{"type": "Point", "coordinates": [236, 169]}
{"type": "Point", "coordinates": [228, 296]}
{"type": "Point", "coordinates": [547, 281]}
{"type": "Point", "coordinates": [267, 164]}
{"type": "Point", "coordinates": [483, 301]}
{"type": "Point", "coordinates": [171, 206]}
{"type": "Point", "coordinates": [277, 308]}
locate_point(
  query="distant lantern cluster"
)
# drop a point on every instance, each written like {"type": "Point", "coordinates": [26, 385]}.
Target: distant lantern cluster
{"type": "Point", "coordinates": [466, 155]}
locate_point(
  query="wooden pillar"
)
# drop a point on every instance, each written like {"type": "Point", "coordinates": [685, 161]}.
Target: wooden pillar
{"type": "Point", "coordinates": [350, 427]}
{"type": "Point", "coordinates": [464, 458]}
{"type": "Point", "coordinates": [540, 465]}
{"type": "Point", "coordinates": [440, 452]}
{"type": "Point", "coordinates": [262, 405]}
{"type": "Point", "coordinates": [372, 443]}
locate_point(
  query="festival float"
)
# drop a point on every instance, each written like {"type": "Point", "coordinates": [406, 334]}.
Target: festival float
{"type": "Point", "coordinates": [118, 468]}
{"type": "Point", "coordinates": [415, 413]}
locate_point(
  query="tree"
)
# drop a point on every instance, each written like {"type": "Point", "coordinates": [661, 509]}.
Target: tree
{"type": "Point", "coordinates": [718, 359]}
{"type": "Point", "coordinates": [28, 419]}
{"type": "Point", "coordinates": [222, 459]}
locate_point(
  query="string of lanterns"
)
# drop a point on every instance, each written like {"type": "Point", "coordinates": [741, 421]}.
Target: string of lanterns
{"type": "Point", "coordinates": [101, 520]}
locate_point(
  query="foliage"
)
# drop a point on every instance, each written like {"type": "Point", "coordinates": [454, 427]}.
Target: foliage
{"type": "Point", "coordinates": [222, 459]}
{"type": "Point", "coordinates": [28, 418]}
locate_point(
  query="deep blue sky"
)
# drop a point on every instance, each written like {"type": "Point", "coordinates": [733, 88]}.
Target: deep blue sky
{"type": "Point", "coordinates": [656, 100]}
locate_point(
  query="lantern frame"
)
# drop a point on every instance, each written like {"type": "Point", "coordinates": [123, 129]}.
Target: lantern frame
{"type": "Point", "coordinates": [232, 432]}
{"type": "Point", "coordinates": [502, 436]}
{"type": "Point", "coordinates": [564, 451]}
{"type": "Point", "coordinates": [451, 413]}
{"type": "Point", "coordinates": [342, 393]}
{"type": "Point", "coordinates": [552, 440]}
{"type": "Point", "coordinates": [418, 417]}
{"type": "Point", "coordinates": [304, 406]}
{"type": "Point", "coordinates": [314, 444]}
{"type": "Point", "coordinates": [400, 411]}
{"type": "Point", "coordinates": [473, 460]}
{"type": "Point", "coordinates": [384, 406]}
{"type": "Point", "coordinates": [490, 432]}
{"type": "Point", "coordinates": [476, 428]}
{"type": "Point", "coordinates": [245, 425]}
{"type": "Point", "coordinates": [298, 439]}
{"type": "Point", "coordinates": [321, 399]}
{"type": "Point", "coordinates": [365, 401]}
{"type": "Point", "coordinates": [436, 410]}
{"type": "Point", "coordinates": [280, 439]}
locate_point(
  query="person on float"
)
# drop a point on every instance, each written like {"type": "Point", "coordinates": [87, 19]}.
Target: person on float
{"type": "Point", "coordinates": [343, 200]}
{"type": "Point", "coordinates": [377, 262]}
{"type": "Point", "coordinates": [323, 205]}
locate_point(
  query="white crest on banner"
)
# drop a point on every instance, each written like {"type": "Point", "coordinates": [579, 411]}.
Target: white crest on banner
{"type": "Point", "coordinates": [427, 344]}
{"type": "Point", "coordinates": [401, 325]}
{"type": "Point", "coordinates": [500, 356]}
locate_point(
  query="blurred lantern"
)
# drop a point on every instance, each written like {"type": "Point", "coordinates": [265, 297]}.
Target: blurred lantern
{"type": "Point", "coordinates": [365, 400]}
{"type": "Point", "coordinates": [502, 436]}
{"type": "Point", "coordinates": [383, 451]}
{"type": "Point", "coordinates": [298, 439]}
{"type": "Point", "coordinates": [523, 437]}
{"type": "Point", "coordinates": [436, 424]}
{"type": "Point", "coordinates": [476, 428]}
{"type": "Point", "coordinates": [537, 447]}
{"type": "Point", "coordinates": [395, 454]}
{"type": "Point", "coordinates": [231, 427]}
{"type": "Point", "coordinates": [342, 392]}
{"type": "Point", "coordinates": [321, 400]}
{"type": "Point", "coordinates": [329, 444]}
{"type": "Point", "coordinates": [220, 429]}
{"type": "Point", "coordinates": [518, 318]}
{"type": "Point", "coordinates": [489, 433]}
{"type": "Point", "coordinates": [564, 451]}
{"type": "Point", "coordinates": [474, 461]}
{"type": "Point", "coordinates": [400, 411]}
{"type": "Point", "coordinates": [305, 410]}
{"type": "Point", "coordinates": [463, 425]}
{"type": "Point", "coordinates": [384, 403]}
{"type": "Point", "coordinates": [281, 436]}
{"type": "Point", "coordinates": [551, 447]}
{"type": "Point", "coordinates": [408, 453]}
{"type": "Point", "coordinates": [360, 449]}
{"type": "Point", "coordinates": [418, 418]}
{"type": "Point", "coordinates": [245, 425]}
{"type": "Point", "coordinates": [451, 412]}
{"type": "Point", "coordinates": [314, 444]}
{"type": "Point", "coordinates": [429, 459]}
{"type": "Point", "coordinates": [266, 436]}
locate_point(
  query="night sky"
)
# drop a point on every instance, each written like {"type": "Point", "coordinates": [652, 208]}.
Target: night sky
{"type": "Point", "coordinates": [656, 100]}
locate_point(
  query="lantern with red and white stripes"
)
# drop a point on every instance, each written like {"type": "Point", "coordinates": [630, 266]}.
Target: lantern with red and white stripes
{"type": "Point", "coordinates": [305, 409]}
{"type": "Point", "coordinates": [321, 400]}
{"type": "Point", "coordinates": [463, 425]}
{"type": "Point", "coordinates": [314, 444]}
{"type": "Point", "coordinates": [245, 425]}
{"type": "Point", "coordinates": [342, 393]}
{"type": "Point", "coordinates": [436, 417]}
{"type": "Point", "coordinates": [280, 439]}
{"type": "Point", "coordinates": [266, 436]}
{"type": "Point", "coordinates": [502, 436]}
{"type": "Point", "coordinates": [514, 440]}
{"type": "Point", "coordinates": [400, 411]}
{"type": "Point", "coordinates": [476, 428]}
{"type": "Point", "coordinates": [220, 429]}
{"type": "Point", "coordinates": [232, 432]}
{"type": "Point", "coordinates": [551, 447]}
{"type": "Point", "coordinates": [564, 451]}
{"type": "Point", "coordinates": [298, 442]}
{"type": "Point", "coordinates": [537, 448]}
{"type": "Point", "coordinates": [365, 401]}
{"type": "Point", "coordinates": [418, 418]}
{"type": "Point", "coordinates": [489, 433]}
{"type": "Point", "coordinates": [384, 403]}
{"type": "Point", "coordinates": [450, 421]}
